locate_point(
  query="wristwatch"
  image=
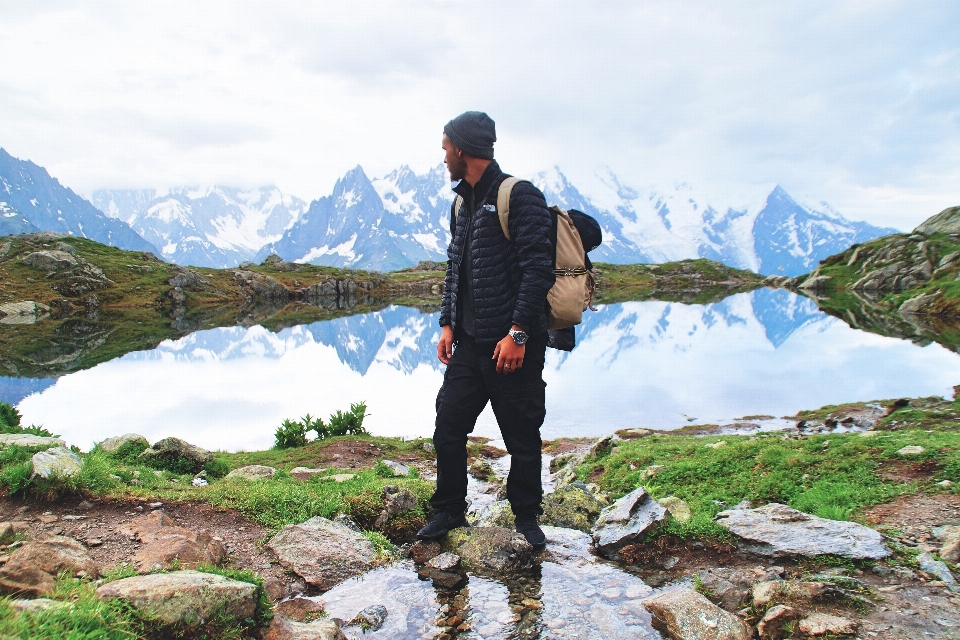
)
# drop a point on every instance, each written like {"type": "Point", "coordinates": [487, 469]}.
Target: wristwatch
{"type": "Point", "coordinates": [519, 336]}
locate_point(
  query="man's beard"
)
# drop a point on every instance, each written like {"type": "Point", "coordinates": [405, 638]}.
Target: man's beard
{"type": "Point", "coordinates": [457, 169]}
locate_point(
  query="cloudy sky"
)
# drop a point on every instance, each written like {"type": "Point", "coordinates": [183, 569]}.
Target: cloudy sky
{"type": "Point", "coordinates": [855, 103]}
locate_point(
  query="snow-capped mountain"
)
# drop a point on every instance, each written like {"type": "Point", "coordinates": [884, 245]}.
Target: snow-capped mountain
{"type": "Point", "coordinates": [384, 224]}
{"type": "Point", "coordinates": [205, 227]}
{"type": "Point", "coordinates": [769, 233]}
{"type": "Point", "coordinates": [396, 221]}
{"type": "Point", "coordinates": [32, 200]}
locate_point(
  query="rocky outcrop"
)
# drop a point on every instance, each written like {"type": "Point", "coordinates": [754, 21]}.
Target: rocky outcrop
{"type": "Point", "coordinates": [684, 614]}
{"type": "Point", "coordinates": [778, 530]}
{"type": "Point", "coordinates": [626, 521]}
{"type": "Point", "coordinates": [947, 221]}
{"type": "Point", "coordinates": [185, 599]}
{"type": "Point", "coordinates": [491, 550]}
{"type": "Point", "coordinates": [323, 552]}
{"type": "Point", "coordinates": [259, 286]}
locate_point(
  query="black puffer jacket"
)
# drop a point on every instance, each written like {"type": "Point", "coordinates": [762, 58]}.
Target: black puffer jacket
{"type": "Point", "coordinates": [510, 278]}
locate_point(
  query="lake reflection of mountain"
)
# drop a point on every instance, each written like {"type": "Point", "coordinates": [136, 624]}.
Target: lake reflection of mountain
{"type": "Point", "coordinates": [637, 364]}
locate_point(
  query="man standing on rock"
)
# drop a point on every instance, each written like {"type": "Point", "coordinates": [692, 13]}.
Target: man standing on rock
{"type": "Point", "coordinates": [494, 328]}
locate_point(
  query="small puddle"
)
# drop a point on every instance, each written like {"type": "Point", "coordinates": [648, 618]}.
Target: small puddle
{"type": "Point", "coordinates": [569, 593]}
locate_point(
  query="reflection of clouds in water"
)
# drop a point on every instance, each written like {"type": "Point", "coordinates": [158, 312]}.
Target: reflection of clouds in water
{"type": "Point", "coordinates": [637, 364]}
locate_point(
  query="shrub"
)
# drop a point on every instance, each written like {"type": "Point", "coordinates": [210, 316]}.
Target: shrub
{"type": "Point", "coordinates": [9, 418]}
{"type": "Point", "coordinates": [349, 423]}
{"type": "Point", "coordinates": [290, 434]}
{"type": "Point", "coordinates": [293, 433]}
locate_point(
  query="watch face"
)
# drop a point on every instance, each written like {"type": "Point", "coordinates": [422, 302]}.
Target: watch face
{"type": "Point", "coordinates": [520, 337]}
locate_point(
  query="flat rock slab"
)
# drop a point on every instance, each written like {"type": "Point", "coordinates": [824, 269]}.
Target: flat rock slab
{"type": "Point", "coordinates": [684, 614]}
{"type": "Point", "coordinates": [323, 552]}
{"type": "Point", "coordinates": [822, 624]}
{"type": "Point", "coordinates": [282, 628]}
{"type": "Point", "coordinates": [56, 462]}
{"type": "Point", "coordinates": [184, 598]}
{"type": "Point", "coordinates": [625, 521]}
{"type": "Point", "coordinates": [305, 473]}
{"type": "Point", "coordinates": [28, 440]}
{"type": "Point", "coordinates": [778, 530]}
{"type": "Point", "coordinates": [490, 549]}
{"type": "Point", "coordinates": [253, 472]}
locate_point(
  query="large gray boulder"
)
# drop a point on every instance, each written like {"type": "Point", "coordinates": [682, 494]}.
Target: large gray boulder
{"type": "Point", "coordinates": [490, 550]}
{"type": "Point", "coordinates": [684, 614]}
{"type": "Point", "coordinates": [28, 440]}
{"type": "Point", "coordinates": [50, 260]}
{"type": "Point", "coordinates": [56, 462]}
{"type": "Point", "coordinates": [174, 449]}
{"type": "Point", "coordinates": [186, 599]}
{"type": "Point", "coordinates": [112, 444]}
{"type": "Point", "coordinates": [323, 552]}
{"type": "Point", "coordinates": [626, 521]}
{"type": "Point", "coordinates": [777, 530]}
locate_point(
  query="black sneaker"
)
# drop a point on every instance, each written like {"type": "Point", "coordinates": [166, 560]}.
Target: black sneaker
{"type": "Point", "coordinates": [440, 524]}
{"type": "Point", "coordinates": [527, 527]}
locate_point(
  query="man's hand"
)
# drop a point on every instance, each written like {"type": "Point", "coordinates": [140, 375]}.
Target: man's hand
{"type": "Point", "coordinates": [509, 355]}
{"type": "Point", "coordinates": [445, 345]}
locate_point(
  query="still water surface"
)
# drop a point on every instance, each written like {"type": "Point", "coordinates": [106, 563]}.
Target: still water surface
{"type": "Point", "coordinates": [638, 364]}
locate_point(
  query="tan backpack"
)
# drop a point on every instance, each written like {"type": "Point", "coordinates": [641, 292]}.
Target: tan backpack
{"type": "Point", "coordinates": [572, 293]}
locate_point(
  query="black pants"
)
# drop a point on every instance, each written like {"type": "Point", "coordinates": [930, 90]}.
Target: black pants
{"type": "Point", "coordinates": [519, 404]}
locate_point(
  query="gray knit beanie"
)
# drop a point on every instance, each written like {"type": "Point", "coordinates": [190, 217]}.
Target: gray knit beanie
{"type": "Point", "coordinates": [474, 132]}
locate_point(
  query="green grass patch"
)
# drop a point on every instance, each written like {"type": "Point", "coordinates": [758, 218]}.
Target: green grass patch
{"type": "Point", "coordinates": [833, 481]}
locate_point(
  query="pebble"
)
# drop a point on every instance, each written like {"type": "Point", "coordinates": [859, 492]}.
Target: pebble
{"type": "Point", "coordinates": [155, 505]}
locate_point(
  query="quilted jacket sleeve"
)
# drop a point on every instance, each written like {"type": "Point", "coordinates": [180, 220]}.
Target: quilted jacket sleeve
{"type": "Point", "coordinates": [449, 281]}
{"type": "Point", "coordinates": [530, 225]}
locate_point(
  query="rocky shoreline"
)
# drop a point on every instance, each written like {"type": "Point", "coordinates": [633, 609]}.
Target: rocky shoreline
{"type": "Point", "coordinates": [607, 570]}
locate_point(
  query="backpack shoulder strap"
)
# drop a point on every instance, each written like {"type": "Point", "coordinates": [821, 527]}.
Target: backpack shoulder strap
{"type": "Point", "coordinates": [503, 202]}
{"type": "Point", "coordinates": [457, 203]}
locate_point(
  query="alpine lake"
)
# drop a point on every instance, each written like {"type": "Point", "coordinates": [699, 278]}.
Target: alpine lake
{"type": "Point", "coordinates": [746, 361]}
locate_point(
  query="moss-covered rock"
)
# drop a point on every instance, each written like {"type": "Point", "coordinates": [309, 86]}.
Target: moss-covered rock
{"type": "Point", "coordinates": [571, 507]}
{"type": "Point", "coordinates": [491, 550]}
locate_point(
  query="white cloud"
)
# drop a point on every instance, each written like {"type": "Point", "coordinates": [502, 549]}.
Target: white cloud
{"type": "Point", "coordinates": [854, 103]}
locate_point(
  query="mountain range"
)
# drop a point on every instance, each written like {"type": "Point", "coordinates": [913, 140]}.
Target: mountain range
{"type": "Point", "coordinates": [31, 200]}
{"type": "Point", "coordinates": [402, 218]}
{"type": "Point", "coordinates": [210, 226]}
